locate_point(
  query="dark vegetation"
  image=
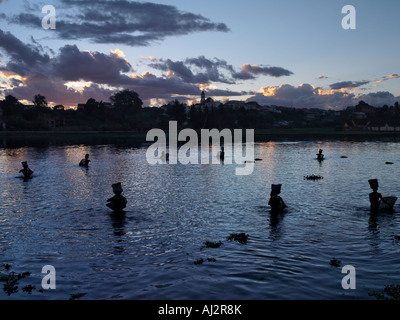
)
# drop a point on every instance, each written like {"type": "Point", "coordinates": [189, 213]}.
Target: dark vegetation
{"type": "Point", "coordinates": [126, 113]}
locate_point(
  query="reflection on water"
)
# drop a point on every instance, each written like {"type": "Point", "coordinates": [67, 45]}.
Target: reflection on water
{"type": "Point", "coordinates": [148, 252]}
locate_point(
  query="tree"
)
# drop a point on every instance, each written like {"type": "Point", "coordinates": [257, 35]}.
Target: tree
{"type": "Point", "coordinates": [39, 101]}
{"type": "Point", "coordinates": [127, 101]}
{"type": "Point", "coordinates": [91, 106]}
{"type": "Point", "coordinates": [11, 106]}
{"type": "Point", "coordinates": [177, 111]}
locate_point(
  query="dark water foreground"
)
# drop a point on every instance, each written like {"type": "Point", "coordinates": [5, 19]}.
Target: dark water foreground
{"type": "Point", "coordinates": [172, 242]}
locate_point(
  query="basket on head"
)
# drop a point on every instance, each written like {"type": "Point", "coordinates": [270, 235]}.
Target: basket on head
{"type": "Point", "coordinates": [276, 188]}
{"type": "Point", "coordinates": [117, 188]}
{"type": "Point", "coordinates": [373, 183]}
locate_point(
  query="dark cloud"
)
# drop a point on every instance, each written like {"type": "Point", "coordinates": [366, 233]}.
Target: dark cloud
{"type": "Point", "coordinates": [348, 84]}
{"type": "Point", "coordinates": [107, 73]}
{"type": "Point", "coordinates": [243, 75]}
{"type": "Point", "coordinates": [73, 65]}
{"type": "Point", "coordinates": [23, 57]}
{"type": "Point", "coordinates": [127, 22]}
{"type": "Point", "coordinates": [57, 92]}
{"type": "Point", "coordinates": [308, 96]}
{"type": "Point", "coordinates": [197, 70]}
{"type": "Point", "coordinates": [379, 98]}
{"type": "Point", "coordinates": [226, 93]}
{"type": "Point", "coordinates": [267, 71]}
{"type": "Point", "coordinates": [214, 70]}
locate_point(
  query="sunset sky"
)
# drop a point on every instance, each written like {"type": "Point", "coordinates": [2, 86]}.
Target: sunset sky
{"type": "Point", "coordinates": [288, 52]}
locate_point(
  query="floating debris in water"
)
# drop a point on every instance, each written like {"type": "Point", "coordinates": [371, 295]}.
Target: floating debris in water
{"type": "Point", "coordinates": [258, 159]}
{"type": "Point", "coordinates": [313, 177]}
{"type": "Point", "coordinates": [240, 237]}
{"type": "Point", "coordinates": [343, 157]}
{"type": "Point", "coordinates": [74, 296]}
{"type": "Point", "coordinates": [335, 262]}
{"type": "Point", "coordinates": [397, 237]}
{"type": "Point", "coordinates": [390, 292]}
{"type": "Point", "coordinates": [28, 288]}
{"type": "Point", "coordinates": [11, 281]}
{"type": "Point", "coordinates": [7, 266]}
{"type": "Point", "coordinates": [201, 260]}
{"type": "Point", "coordinates": [210, 244]}
{"type": "Point", "coordinates": [388, 162]}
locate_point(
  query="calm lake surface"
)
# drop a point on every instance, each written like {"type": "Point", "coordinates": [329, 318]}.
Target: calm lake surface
{"type": "Point", "coordinates": [59, 218]}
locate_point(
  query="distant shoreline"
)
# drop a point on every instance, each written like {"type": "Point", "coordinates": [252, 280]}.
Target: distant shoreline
{"type": "Point", "coordinates": [259, 134]}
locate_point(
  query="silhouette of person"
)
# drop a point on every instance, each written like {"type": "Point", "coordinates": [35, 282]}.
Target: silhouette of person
{"type": "Point", "coordinates": [275, 202]}
{"type": "Point", "coordinates": [26, 171]}
{"type": "Point", "coordinates": [320, 156]}
{"type": "Point", "coordinates": [85, 162]}
{"type": "Point", "coordinates": [375, 197]}
{"type": "Point", "coordinates": [118, 201]}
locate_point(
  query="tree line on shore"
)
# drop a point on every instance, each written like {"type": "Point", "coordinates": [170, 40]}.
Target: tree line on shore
{"type": "Point", "coordinates": [126, 113]}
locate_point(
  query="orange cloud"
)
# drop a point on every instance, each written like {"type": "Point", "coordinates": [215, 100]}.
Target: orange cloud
{"type": "Point", "coordinates": [118, 53]}
{"type": "Point", "coordinates": [206, 86]}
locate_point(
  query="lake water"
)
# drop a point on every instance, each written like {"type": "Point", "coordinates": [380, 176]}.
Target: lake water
{"type": "Point", "coordinates": [59, 218]}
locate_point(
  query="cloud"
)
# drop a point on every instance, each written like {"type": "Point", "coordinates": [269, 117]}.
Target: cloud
{"type": "Point", "coordinates": [197, 70]}
{"type": "Point", "coordinates": [267, 71]}
{"type": "Point", "coordinates": [57, 91]}
{"type": "Point", "coordinates": [30, 71]}
{"type": "Point", "coordinates": [348, 84]}
{"type": "Point", "coordinates": [388, 77]}
{"type": "Point", "coordinates": [379, 98]}
{"type": "Point", "coordinates": [202, 70]}
{"type": "Point", "coordinates": [71, 64]}
{"type": "Point", "coordinates": [308, 96]}
{"type": "Point", "coordinates": [123, 22]}
{"type": "Point", "coordinates": [22, 57]}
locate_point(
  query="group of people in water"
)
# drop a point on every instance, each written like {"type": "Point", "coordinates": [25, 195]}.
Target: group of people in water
{"type": "Point", "coordinates": [377, 202]}
{"type": "Point", "coordinates": [118, 202]}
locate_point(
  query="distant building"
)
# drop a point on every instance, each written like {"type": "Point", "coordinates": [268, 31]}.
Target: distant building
{"type": "Point", "coordinates": [58, 107]}
{"type": "Point", "coordinates": [55, 121]}
{"type": "Point", "coordinates": [106, 105]}
{"type": "Point", "coordinates": [203, 98]}
{"type": "Point", "coordinates": [252, 105]}
{"type": "Point", "coordinates": [356, 125]}
{"type": "Point", "coordinates": [234, 104]}
{"type": "Point", "coordinates": [359, 115]}
{"type": "Point", "coordinates": [365, 108]}
{"type": "Point", "coordinates": [385, 126]}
